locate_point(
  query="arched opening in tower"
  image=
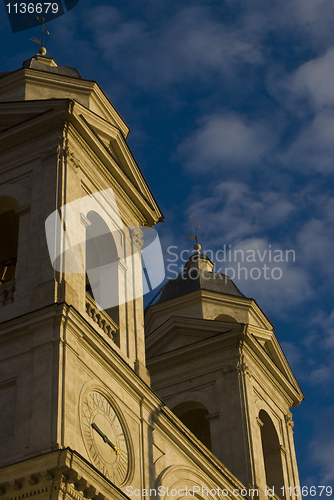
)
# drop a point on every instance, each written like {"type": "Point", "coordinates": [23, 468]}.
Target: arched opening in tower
{"type": "Point", "coordinates": [193, 415]}
{"type": "Point", "coordinates": [271, 454]}
{"type": "Point", "coordinates": [9, 237]}
{"type": "Point", "coordinates": [102, 265]}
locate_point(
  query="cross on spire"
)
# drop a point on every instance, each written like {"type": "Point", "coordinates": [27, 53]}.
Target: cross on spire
{"type": "Point", "coordinates": [197, 246]}
{"type": "Point", "coordinates": [42, 49]}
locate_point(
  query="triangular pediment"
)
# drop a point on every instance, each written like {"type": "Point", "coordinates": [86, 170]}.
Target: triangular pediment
{"type": "Point", "coordinates": [103, 138]}
{"type": "Point", "coordinates": [270, 346]}
{"type": "Point", "coordinates": [112, 141]}
{"type": "Point", "coordinates": [179, 333]}
{"type": "Point", "coordinates": [29, 84]}
{"type": "Point", "coordinates": [177, 340]}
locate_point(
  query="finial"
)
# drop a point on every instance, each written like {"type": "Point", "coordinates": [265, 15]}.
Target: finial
{"type": "Point", "coordinates": [42, 49]}
{"type": "Point", "coordinates": [197, 246]}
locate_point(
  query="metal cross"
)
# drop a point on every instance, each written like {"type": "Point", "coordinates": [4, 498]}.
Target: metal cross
{"type": "Point", "coordinates": [36, 40]}
{"type": "Point", "coordinates": [192, 217]}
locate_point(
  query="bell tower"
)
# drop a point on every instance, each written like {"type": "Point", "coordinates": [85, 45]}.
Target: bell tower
{"type": "Point", "coordinates": [78, 419]}
{"type": "Point", "coordinates": [71, 327]}
{"type": "Point", "coordinates": [215, 360]}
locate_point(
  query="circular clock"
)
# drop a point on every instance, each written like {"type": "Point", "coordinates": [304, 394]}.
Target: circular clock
{"type": "Point", "coordinates": [105, 436]}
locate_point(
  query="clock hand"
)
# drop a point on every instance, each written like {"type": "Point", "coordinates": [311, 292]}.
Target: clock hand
{"type": "Point", "coordinates": [105, 438]}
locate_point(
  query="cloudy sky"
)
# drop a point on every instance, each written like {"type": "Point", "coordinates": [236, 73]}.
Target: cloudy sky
{"type": "Point", "coordinates": [231, 110]}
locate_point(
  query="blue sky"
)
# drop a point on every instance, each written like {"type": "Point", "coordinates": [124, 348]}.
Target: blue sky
{"type": "Point", "coordinates": [231, 110]}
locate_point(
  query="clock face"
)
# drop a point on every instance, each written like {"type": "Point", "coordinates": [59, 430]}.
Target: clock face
{"type": "Point", "coordinates": [104, 437]}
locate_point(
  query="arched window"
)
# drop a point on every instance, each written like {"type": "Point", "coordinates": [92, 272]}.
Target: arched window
{"type": "Point", "coordinates": [9, 224]}
{"type": "Point", "coordinates": [193, 415]}
{"type": "Point", "coordinates": [271, 454]}
{"type": "Point", "coordinates": [102, 265]}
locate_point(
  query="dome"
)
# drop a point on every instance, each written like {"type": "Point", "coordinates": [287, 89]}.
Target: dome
{"type": "Point", "coordinates": [45, 63]}
{"type": "Point", "coordinates": [198, 275]}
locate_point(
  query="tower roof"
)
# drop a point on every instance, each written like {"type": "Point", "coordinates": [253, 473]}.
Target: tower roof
{"type": "Point", "coordinates": [48, 64]}
{"type": "Point", "coordinates": [45, 63]}
{"type": "Point", "coordinates": [40, 78]}
{"type": "Point", "coordinates": [198, 275]}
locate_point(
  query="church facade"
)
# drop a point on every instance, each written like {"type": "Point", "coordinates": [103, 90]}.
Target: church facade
{"type": "Point", "coordinates": [92, 405]}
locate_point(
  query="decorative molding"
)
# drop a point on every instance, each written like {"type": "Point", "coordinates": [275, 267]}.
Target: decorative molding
{"type": "Point", "coordinates": [64, 479]}
{"type": "Point", "coordinates": [7, 293]}
{"type": "Point", "coordinates": [22, 210]}
{"type": "Point", "coordinates": [212, 416]}
{"type": "Point", "coordinates": [239, 366]}
{"type": "Point", "coordinates": [102, 320]}
{"type": "Point", "coordinates": [52, 151]}
{"type": "Point", "coordinates": [30, 137]}
{"type": "Point", "coordinates": [288, 420]}
{"type": "Point", "coordinates": [136, 237]}
{"type": "Point", "coordinates": [230, 368]}
{"type": "Point", "coordinates": [157, 453]}
{"type": "Point", "coordinates": [243, 368]}
{"type": "Point", "coordinates": [84, 221]}
{"type": "Point", "coordinates": [283, 450]}
{"type": "Point", "coordinates": [186, 357]}
{"type": "Point", "coordinates": [259, 422]}
{"type": "Point", "coordinates": [72, 157]}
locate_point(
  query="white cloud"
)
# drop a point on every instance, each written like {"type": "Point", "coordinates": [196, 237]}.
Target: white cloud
{"type": "Point", "coordinates": [237, 216]}
{"type": "Point", "coordinates": [323, 324]}
{"type": "Point", "coordinates": [314, 18]}
{"type": "Point", "coordinates": [316, 244]}
{"type": "Point", "coordinates": [189, 44]}
{"type": "Point", "coordinates": [275, 284]}
{"type": "Point", "coordinates": [322, 452]}
{"type": "Point", "coordinates": [235, 212]}
{"type": "Point", "coordinates": [224, 141]}
{"type": "Point", "coordinates": [313, 149]}
{"type": "Point", "coordinates": [313, 81]}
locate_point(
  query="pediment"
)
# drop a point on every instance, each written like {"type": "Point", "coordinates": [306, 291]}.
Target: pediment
{"type": "Point", "coordinates": [28, 84]}
{"type": "Point", "coordinates": [270, 345]}
{"type": "Point", "coordinates": [177, 340]}
{"type": "Point", "coordinates": [179, 333]}
{"type": "Point", "coordinates": [113, 142]}
{"type": "Point", "coordinates": [104, 137]}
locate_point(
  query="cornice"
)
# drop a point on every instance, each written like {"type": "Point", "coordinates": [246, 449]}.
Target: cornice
{"type": "Point", "coordinates": [277, 377]}
{"type": "Point", "coordinates": [65, 112]}
{"type": "Point", "coordinates": [72, 476]}
{"type": "Point", "coordinates": [120, 175]}
{"type": "Point", "coordinates": [88, 88]}
{"type": "Point", "coordinates": [101, 184]}
{"type": "Point", "coordinates": [211, 296]}
{"type": "Point", "coordinates": [174, 358]}
{"type": "Point", "coordinates": [198, 324]}
{"type": "Point", "coordinates": [274, 377]}
{"type": "Point", "coordinates": [214, 469]}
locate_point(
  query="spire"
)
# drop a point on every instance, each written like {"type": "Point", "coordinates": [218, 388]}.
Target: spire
{"type": "Point", "coordinates": [42, 49]}
{"type": "Point", "coordinates": [197, 246]}
{"type": "Point", "coordinates": [197, 260]}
